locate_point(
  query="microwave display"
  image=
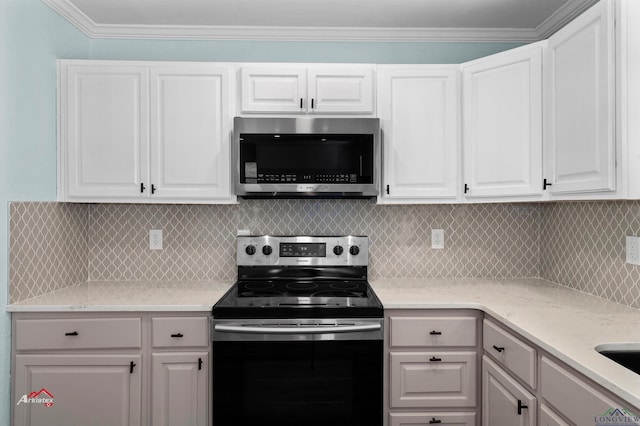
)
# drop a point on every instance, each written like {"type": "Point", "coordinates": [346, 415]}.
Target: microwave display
{"type": "Point", "coordinates": [306, 158]}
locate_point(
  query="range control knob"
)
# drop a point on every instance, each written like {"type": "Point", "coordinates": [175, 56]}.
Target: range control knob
{"type": "Point", "coordinates": [267, 250]}
{"type": "Point", "coordinates": [337, 250]}
{"type": "Point", "coordinates": [354, 250]}
{"type": "Point", "coordinates": [250, 250]}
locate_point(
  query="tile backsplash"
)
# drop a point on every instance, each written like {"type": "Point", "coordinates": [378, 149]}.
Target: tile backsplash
{"type": "Point", "coordinates": [580, 245]}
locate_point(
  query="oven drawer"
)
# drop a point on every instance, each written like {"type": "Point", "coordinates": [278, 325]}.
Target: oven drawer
{"type": "Point", "coordinates": [170, 332]}
{"type": "Point", "coordinates": [510, 352]}
{"type": "Point", "coordinates": [78, 333]}
{"type": "Point", "coordinates": [433, 379]}
{"type": "Point", "coordinates": [432, 331]}
{"type": "Point", "coordinates": [432, 418]}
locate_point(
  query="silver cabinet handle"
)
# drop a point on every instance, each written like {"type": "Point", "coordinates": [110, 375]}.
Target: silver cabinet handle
{"type": "Point", "coordinates": [296, 330]}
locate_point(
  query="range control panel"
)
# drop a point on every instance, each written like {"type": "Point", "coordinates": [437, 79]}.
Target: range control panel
{"type": "Point", "coordinates": [348, 250]}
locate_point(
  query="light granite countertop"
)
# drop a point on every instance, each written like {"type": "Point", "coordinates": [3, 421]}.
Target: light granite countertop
{"type": "Point", "coordinates": [563, 322]}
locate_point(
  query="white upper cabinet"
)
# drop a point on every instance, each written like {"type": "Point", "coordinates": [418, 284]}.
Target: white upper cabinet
{"type": "Point", "coordinates": [144, 132]}
{"type": "Point", "coordinates": [298, 89]}
{"type": "Point", "coordinates": [418, 108]}
{"type": "Point", "coordinates": [190, 130]}
{"type": "Point", "coordinates": [104, 138]}
{"type": "Point", "coordinates": [580, 145]}
{"type": "Point", "coordinates": [502, 124]}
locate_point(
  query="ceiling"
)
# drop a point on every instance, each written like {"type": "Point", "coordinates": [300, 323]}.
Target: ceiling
{"type": "Point", "coordinates": [441, 20]}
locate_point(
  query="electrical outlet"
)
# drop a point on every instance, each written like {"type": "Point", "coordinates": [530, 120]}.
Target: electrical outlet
{"type": "Point", "coordinates": [155, 239]}
{"type": "Point", "coordinates": [633, 249]}
{"type": "Point", "coordinates": [437, 239]}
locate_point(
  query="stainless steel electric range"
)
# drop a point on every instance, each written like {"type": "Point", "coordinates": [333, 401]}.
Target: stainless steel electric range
{"type": "Point", "coordinates": [298, 339]}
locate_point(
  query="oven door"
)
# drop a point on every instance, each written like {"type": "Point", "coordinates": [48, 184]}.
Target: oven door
{"type": "Point", "coordinates": [309, 378]}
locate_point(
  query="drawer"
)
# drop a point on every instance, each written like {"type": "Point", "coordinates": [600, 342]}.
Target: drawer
{"type": "Point", "coordinates": [433, 379]}
{"type": "Point", "coordinates": [575, 399]}
{"type": "Point", "coordinates": [171, 332]}
{"type": "Point", "coordinates": [78, 333]}
{"type": "Point", "coordinates": [511, 352]}
{"type": "Point", "coordinates": [431, 418]}
{"type": "Point", "coordinates": [432, 331]}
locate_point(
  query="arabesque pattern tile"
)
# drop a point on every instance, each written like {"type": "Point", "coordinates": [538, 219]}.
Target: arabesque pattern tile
{"type": "Point", "coordinates": [47, 248]}
{"type": "Point", "coordinates": [580, 245]}
{"type": "Point", "coordinates": [199, 240]}
{"type": "Point", "coordinates": [584, 248]}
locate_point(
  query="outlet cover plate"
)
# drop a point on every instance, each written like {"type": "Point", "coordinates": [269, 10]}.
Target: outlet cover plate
{"type": "Point", "coordinates": [437, 239]}
{"type": "Point", "coordinates": [155, 239]}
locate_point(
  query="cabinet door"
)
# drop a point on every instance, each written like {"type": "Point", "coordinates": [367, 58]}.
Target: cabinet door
{"type": "Point", "coordinates": [579, 104]}
{"type": "Point", "coordinates": [433, 379]}
{"type": "Point", "coordinates": [432, 418]}
{"type": "Point", "coordinates": [341, 90]}
{"type": "Point", "coordinates": [274, 90]}
{"type": "Point", "coordinates": [418, 109]}
{"type": "Point", "coordinates": [97, 390]}
{"type": "Point", "coordinates": [549, 418]}
{"type": "Point", "coordinates": [190, 132]}
{"type": "Point", "coordinates": [103, 131]}
{"type": "Point", "coordinates": [504, 399]}
{"type": "Point", "coordinates": [179, 389]}
{"type": "Point", "coordinates": [502, 117]}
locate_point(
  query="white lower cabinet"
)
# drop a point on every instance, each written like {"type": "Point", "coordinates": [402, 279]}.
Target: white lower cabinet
{"type": "Point", "coordinates": [99, 370]}
{"type": "Point", "coordinates": [504, 401]}
{"type": "Point", "coordinates": [78, 390]}
{"type": "Point", "coordinates": [431, 363]}
{"type": "Point", "coordinates": [179, 394]}
{"type": "Point", "coordinates": [548, 417]}
{"type": "Point", "coordinates": [179, 371]}
{"type": "Point", "coordinates": [432, 418]}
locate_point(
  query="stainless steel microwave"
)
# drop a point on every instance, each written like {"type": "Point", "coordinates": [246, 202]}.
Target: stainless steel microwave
{"type": "Point", "coordinates": [306, 157]}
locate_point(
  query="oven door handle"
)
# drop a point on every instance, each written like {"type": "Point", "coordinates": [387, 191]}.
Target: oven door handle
{"type": "Point", "coordinates": [296, 330]}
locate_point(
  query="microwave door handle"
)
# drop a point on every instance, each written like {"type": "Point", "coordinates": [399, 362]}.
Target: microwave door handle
{"type": "Point", "coordinates": [296, 330]}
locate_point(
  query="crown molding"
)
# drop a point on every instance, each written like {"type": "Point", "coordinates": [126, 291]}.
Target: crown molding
{"type": "Point", "coordinates": [203, 32]}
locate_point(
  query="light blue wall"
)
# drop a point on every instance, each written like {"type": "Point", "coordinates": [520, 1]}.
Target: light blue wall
{"type": "Point", "coordinates": [32, 37]}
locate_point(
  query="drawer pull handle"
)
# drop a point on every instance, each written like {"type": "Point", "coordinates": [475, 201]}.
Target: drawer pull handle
{"type": "Point", "coordinates": [435, 333]}
{"type": "Point", "coordinates": [73, 333]}
{"type": "Point", "coordinates": [498, 348]}
{"type": "Point", "coordinates": [434, 421]}
{"type": "Point", "coordinates": [434, 359]}
{"type": "Point", "coordinates": [177, 335]}
{"type": "Point", "coordinates": [199, 363]}
{"type": "Point", "coordinates": [521, 407]}
{"type": "Point", "coordinates": [131, 365]}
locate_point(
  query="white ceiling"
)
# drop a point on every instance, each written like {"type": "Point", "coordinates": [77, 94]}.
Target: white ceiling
{"type": "Point", "coordinates": [499, 20]}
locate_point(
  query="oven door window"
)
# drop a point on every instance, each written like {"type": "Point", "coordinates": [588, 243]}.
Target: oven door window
{"type": "Point", "coordinates": [311, 383]}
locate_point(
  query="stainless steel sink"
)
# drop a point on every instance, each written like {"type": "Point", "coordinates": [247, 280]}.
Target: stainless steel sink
{"type": "Point", "coordinates": [625, 354]}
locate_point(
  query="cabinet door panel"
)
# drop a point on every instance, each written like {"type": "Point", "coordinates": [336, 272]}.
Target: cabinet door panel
{"type": "Point", "coordinates": [432, 418]}
{"type": "Point", "coordinates": [97, 390]}
{"type": "Point", "coordinates": [341, 90]}
{"type": "Point", "coordinates": [549, 418]}
{"type": "Point", "coordinates": [179, 389]}
{"type": "Point", "coordinates": [190, 132]}
{"type": "Point", "coordinates": [501, 396]}
{"type": "Point", "coordinates": [503, 124]}
{"type": "Point", "coordinates": [433, 379]}
{"type": "Point", "coordinates": [580, 131]}
{"type": "Point", "coordinates": [575, 399]}
{"type": "Point", "coordinates": [277, 89]}
{"type": "Point", "coordinates": [418, 109]}
{"type": "Point", "coordinates": [104, 138]}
